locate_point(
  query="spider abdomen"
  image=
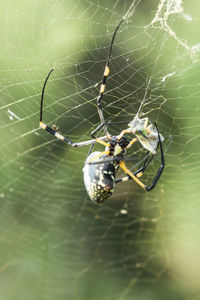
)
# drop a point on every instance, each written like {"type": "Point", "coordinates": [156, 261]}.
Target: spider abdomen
{"type": "Point", "coordinates": [99, 178]}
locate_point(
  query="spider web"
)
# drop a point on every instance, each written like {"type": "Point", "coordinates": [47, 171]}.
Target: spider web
{"type": "Point", "coordinates": [56, 243]}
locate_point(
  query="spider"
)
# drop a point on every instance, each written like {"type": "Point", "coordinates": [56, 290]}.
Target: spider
{"type": "Point", "coordinates": [100, 168]}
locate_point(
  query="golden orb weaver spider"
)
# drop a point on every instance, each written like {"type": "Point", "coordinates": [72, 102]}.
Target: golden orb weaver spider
{"type": "Point", "coordinates": [100, 168]}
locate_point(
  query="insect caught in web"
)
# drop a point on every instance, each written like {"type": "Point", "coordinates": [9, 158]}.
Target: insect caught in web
{"type": "Point", "coordinates": [100, 168]}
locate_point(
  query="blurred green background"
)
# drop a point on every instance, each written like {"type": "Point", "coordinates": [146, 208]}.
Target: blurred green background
{"type": "Point", "coordinates": [54, 242]}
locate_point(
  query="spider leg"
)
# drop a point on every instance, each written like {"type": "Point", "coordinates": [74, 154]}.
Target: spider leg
{"type": "Point", "coordinates": [68, 141]}
{"type": "Point", "coordinates": [123, 133]}
{"type": "Point", "coordinates": [124, 168]}
{"type": "Point", "coordinates": [97, 156]}
{"type": "Point", "coordinates": [100, 126]}
{"type": "Point", "coordinates": [56, 133]}
{"type": "Point", "coordinates": [161, 168]}
{"type": "Point", "coordinates": [91, 147]}
{"type": "Point", "coordinates": [131, 142]}
{"type": "Point", "coordinates": [108, 160]}
{"type": "Point", "coordinates": [139, 173]}
{"type": "Point", "coordinates": [123, 179]}
{"type": "Point", "coordinates": [107, 71]}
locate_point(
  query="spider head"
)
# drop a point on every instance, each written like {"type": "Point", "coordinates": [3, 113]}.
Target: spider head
{"type": "Point", "coordinates": [146, 133]}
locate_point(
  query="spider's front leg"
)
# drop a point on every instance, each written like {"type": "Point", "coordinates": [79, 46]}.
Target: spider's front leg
{"type": "Point", "coordinates": [100, 126]}
{"type": "Point", "coordinates": [53, 130]}
{"type": "Point", "coordinates": [139, 173]}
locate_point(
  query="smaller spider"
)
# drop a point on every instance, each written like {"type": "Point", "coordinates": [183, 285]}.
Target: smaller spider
{"type": "Point", "coordinates": [100, 168]}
